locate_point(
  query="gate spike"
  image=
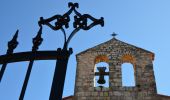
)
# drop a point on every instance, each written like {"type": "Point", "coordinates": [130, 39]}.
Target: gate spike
{"type": "Point", "coordinates": [13, 43]}
{"type": "Point", "coordinates": [14, 39]}
{"type": "Point", "coordinates": [16, 34]}
{"type": "Point", "coordinates": [39, 33]}
{"type": "Point", "coordinates": [37, 40]}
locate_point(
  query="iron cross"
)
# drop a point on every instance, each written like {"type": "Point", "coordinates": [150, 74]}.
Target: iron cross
{"type": "Point", "coordinates": [114, 34]}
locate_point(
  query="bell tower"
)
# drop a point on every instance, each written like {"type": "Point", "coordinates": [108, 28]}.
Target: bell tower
{"type": "Point", "coordinates": [115, 53]}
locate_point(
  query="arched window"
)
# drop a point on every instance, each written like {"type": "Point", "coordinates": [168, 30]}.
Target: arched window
{"type": "Point", "coordinates": [101, 68]}
{"type": "Point", "coordinates": [128, 74]}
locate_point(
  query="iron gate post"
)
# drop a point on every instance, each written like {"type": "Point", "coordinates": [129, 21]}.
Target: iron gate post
{"type": "Point", "coordinates": [59, 75]}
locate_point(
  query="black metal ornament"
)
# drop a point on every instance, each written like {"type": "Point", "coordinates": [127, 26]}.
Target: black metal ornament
{"type": "Point", "coordinates": [80, 22]}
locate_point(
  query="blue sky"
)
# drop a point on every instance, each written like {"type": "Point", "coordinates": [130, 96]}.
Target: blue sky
{"type": "Point", "coordinates": [144, 23]}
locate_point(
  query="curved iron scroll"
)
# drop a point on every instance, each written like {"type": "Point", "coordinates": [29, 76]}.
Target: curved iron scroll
{"type": "Point", "coordinates": [80, 22]}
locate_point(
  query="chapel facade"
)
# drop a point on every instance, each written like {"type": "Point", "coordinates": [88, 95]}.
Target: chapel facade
{"type": "Point", "coordinates": [115, 53]}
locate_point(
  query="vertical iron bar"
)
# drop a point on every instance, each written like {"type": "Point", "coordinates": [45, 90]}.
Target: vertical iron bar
{"type": "Point", "coordinates": [59, 76]}
{"type": "Point", "coordinates": [11, 46]}
{"type": "Point", "coordinates": [2, 70]}
{"type": "Point", "coordinates": [36, 43]}
{"type": "Point", "coordinates": [26, 80]}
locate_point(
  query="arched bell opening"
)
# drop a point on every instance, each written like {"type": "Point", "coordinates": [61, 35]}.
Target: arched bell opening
{"type": "Point", "coordinates": [128, 71]}
{"type": "Point", "coordinates": [128, 75]}
{"type": "Point", "coordinates": [101, 72]}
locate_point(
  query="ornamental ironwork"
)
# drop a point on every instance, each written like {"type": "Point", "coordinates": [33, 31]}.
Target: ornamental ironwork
{"type": "Point", "coordinates": [61, 55]}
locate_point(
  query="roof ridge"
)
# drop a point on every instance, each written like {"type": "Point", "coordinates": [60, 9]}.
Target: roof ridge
{"type": "Point", "coordinates": [114, 39]}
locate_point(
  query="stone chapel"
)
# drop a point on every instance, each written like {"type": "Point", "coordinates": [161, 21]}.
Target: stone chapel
{"type": "Point", "coordinates": [115, 53]}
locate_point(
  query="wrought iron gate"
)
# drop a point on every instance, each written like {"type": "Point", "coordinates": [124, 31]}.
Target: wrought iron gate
{"type": "Point", "coordinates": [61, 55]}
